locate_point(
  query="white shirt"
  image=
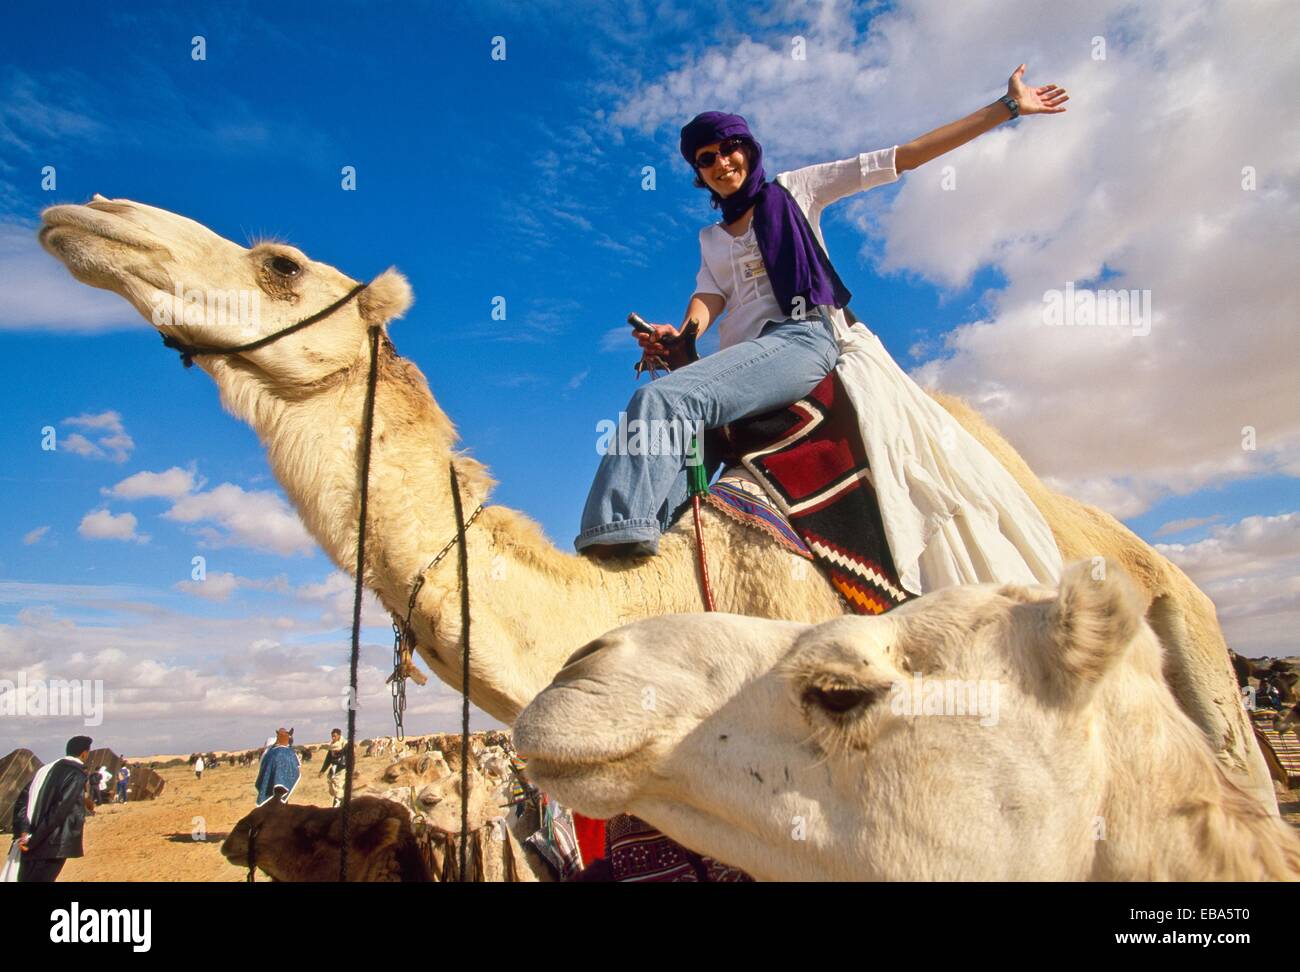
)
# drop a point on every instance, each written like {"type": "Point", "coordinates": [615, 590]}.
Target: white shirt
{"type": "Point", "coordinates": [952, 513]}
{"type": "Point", "coordinates": [732, 266]}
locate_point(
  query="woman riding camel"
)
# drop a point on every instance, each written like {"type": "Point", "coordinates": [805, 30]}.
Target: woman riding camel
{"type": "Point", "coordinates": [784, 330]}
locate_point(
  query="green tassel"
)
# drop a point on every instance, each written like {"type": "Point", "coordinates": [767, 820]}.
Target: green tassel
{"type": "Point", "coordinates": [697, 475]}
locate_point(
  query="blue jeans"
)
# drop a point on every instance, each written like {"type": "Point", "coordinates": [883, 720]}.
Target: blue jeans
{"type": "Point", "coordinates": [634, 496]}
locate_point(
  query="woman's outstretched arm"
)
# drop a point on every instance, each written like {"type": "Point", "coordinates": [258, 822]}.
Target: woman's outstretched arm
{"type": "Point", "coordinates": [1048, 99]}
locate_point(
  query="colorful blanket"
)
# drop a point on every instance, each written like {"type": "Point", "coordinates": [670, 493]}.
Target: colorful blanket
{"type": "Point", "coordinates": [809, 458]}
{"type": "Point", "coordinates": [635, 851]}
{"type": "Point", "coordinates": [738, 497]}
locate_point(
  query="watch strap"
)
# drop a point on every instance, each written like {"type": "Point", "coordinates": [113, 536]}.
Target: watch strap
{"type": "Point", "coordinates": [1011, 104]}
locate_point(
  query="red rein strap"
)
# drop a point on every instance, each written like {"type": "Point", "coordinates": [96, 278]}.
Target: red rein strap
{"type": "Point", "coordinates": [699, 546]}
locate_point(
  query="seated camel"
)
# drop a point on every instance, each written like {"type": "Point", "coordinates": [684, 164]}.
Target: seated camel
{"type": "Point", "coordinates": [983, 732]}
{"type": "Point", "coordinates": [293, 842]}
{"type": "Point", "coordinates": [430, 792]}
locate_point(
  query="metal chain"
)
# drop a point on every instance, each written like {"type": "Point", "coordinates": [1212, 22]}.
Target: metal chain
{"type": "Point", "coordinates": [404, 639]}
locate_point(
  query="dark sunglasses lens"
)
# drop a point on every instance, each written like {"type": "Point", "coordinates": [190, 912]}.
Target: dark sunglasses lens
{"type": "Point", "coordinates": [706, 159]}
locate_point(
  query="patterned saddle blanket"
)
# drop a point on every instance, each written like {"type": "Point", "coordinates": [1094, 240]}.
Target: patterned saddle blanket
{"type": "Point", "coordinates": [800, 474]}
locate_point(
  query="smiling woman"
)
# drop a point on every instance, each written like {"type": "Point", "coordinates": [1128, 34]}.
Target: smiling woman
{"type": "Point", "coordinates": [784, 328]}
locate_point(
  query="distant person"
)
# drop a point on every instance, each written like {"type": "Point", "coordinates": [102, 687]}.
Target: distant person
{"type": "Point", "coordinates": [123, 783]}
{"type": "Point", "coordinates": [49, 816]}
{"type": "Point", "coordinates": [99, 785]}
{"type": "Point", "coordinates": [336, 765]}
{"type": "Point", "coordinates": [198, 768]}
{"type": "Point", "coordinates": [279, 771]}
{"type": "Point", "coordinates": [1268, 695]}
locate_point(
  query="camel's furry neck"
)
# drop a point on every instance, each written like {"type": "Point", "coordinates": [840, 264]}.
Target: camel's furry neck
{"type": "Point", "coordinates": [1172, 813]}
{"type": "Point", "coordinates": [532, 604]}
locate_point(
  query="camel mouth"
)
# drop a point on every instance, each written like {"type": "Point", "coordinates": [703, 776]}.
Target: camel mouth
{"type": "Point", "coordinates": [66, 226]}
{"type": "Point", "coordinates": [570, 765]}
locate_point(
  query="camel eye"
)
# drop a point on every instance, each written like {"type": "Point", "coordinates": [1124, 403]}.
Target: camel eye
{"type": "Point", "coordinates": [284, 266]}
{"type": "Point", "coordinates": [838, 699]}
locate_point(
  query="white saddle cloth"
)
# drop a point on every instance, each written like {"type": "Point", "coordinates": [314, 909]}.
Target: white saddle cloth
{"type": "Point", "coordinates": [952, 513]}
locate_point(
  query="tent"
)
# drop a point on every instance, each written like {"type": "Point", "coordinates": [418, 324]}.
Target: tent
{"type": "Point", "coordinates": [145, 783]}
{"type": "Point", "coordinates": [16, 771]}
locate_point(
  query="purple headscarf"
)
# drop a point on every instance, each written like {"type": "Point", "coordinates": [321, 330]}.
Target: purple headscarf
{"type": "Point", "coordinates": [796, 263]}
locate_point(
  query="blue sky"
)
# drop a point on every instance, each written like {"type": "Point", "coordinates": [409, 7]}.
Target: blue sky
{"type": "Point", "coordinates": [523, 178]}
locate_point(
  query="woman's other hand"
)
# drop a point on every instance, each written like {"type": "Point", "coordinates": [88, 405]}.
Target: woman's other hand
{"type": "Point", "coordinates": [652, 343]}
{"type": "Point", "coordinates": [1048, 99]}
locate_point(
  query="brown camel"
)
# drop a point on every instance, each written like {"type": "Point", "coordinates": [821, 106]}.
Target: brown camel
{"type": "Point", "coordinates": [301, 843]}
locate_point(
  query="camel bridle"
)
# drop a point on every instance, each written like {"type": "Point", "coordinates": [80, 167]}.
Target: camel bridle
{"type": "Point", "coordinates": [188, 352]}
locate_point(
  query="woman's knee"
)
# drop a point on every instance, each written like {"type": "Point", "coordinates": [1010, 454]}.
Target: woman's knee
{"type": "Point", "coordinates": [665, 397]}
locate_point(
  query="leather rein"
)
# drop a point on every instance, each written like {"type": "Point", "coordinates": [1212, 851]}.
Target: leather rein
{"type": "Point", "coordinates": [188, 352]}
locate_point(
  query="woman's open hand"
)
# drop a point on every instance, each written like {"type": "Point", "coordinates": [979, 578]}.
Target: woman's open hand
{"type": "Point", "coordinates": [1048, 99]}
{"type": "Point", "coordinates": [651, 343]}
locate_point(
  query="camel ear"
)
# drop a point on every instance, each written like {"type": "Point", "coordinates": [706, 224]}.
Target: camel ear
{"type": "Point", "coordinates": [1096, 614]}
{"type": "Point", "coordinates": [386, 297]}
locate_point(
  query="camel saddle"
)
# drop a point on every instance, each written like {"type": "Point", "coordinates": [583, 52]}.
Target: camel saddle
{"type": "Point", "coordinates": [799, 474]}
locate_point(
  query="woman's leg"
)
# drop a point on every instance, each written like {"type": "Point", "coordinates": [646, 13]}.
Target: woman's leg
{"type": "Point", "coordinates": [632, 490]}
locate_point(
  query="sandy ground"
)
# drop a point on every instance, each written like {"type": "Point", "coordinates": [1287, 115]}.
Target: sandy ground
{"type": "Point", "coordinates": [154, 840]}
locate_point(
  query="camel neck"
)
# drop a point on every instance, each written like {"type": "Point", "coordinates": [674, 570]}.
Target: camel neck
{"type": "Point", "coordinates": [517, 580]}
{"type": "Point", "coordinates": [1172, 813]}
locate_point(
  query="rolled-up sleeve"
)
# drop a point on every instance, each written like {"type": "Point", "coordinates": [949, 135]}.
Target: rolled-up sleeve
{"type": "Point", "coordinates": [877, 167]}
{"type": "Point", "coordinates": [820, 185]}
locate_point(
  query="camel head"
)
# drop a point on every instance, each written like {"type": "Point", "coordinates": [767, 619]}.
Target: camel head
{"type": "Point", "coordinates": [203, 289]}
{"type": "Point", "coordinates": [416, 770]}
{"type": "Point", "coordinates": [959, 736]}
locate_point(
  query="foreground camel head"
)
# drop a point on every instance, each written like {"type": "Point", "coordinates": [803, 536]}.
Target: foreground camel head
{"type": "Point", "coordinates": [978, 733]}
{"type": "Point", "coordinates": [301, 843]}
{"type": "Point", "coordinates": [199, 287]}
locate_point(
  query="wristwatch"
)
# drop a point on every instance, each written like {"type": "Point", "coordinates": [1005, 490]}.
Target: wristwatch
{"type": "Point", "coordinates": [1010, 102]}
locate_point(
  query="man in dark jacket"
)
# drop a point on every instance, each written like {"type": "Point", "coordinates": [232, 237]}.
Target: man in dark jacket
{"type": "Point", "coordinates": [51, 833]}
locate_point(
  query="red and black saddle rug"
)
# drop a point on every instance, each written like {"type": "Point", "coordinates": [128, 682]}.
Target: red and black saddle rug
{"type": "Point", "coordinates": [810, 458]}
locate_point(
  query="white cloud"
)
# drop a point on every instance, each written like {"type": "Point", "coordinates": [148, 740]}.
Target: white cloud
{"type": "Point", "coordinates": [37, 293]}
{"type": "Point", "coordinates": [336, 594]}
{"type": "Point", "coordinates": [1190, 523]}
{"type": "Point", "coordinates": [220, 585]}
{"type": "Point", "coordinates": [1141, 177]}
{"type": "Point", "coordinates": [175, 683]}
{"type": "Point", "coordinates": [170, 484]}
{"type": "Point", "coordinates": [260, 520]}
{"type": "Point", "coordinates": [216, 586]}
{"type": "Point", "coordinates": [103, 525]}
{"type": "Point", "coordinates": [35, 536]}
{"type": "Point", "coordinates": [1251, 570]}
{"type": "Point", "coordinates": [111, 439]}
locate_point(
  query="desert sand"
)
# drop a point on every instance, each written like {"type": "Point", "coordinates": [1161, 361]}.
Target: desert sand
{"type": "Point", "coordinates": [155, 840]}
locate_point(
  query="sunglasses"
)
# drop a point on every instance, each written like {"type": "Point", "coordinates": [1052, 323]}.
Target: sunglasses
{"type": "Point", "coordinates": [705, 160]}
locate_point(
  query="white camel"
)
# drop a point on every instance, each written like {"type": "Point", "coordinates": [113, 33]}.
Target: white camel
{"type": "Point", "coordinates": [531, 603]}
{"type": "Point", "coordinates": [978, 733]}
